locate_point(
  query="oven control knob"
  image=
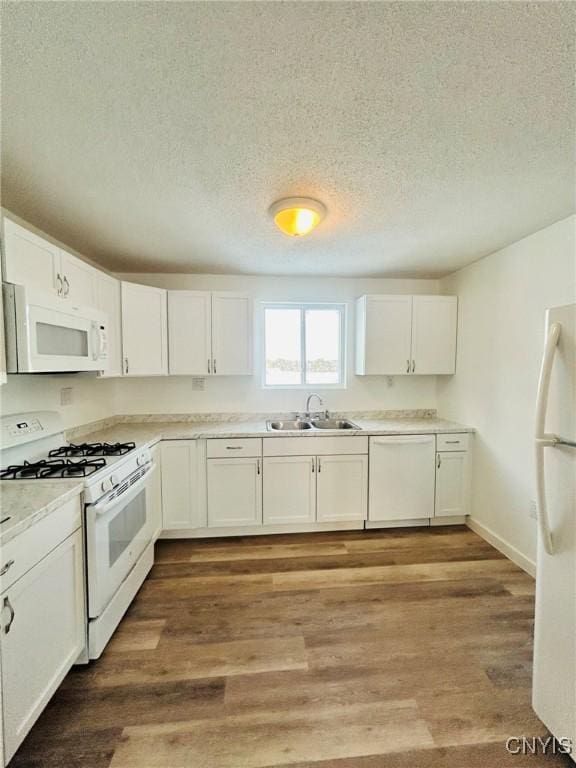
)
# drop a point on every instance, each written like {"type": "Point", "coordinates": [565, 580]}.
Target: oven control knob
{"type": "Point", "coordinates": [114, 480]}
{"type": "Point", "coordinates": [106, 485]}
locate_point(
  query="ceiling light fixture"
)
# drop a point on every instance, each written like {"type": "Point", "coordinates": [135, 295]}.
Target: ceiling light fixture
{"type": "Point", "coordinates": [297, 216]}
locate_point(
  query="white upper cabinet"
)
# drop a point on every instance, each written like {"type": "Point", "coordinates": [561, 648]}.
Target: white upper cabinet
{"type": "Point", "coordinates": [107, 290]}
{"type": "Point", "coordinates": [209, 333]}
{"type": "Point", "coordinates": [144, 330]}
{"type": "Point", "coordinates": [406, 335]}
{"type": "Point", "coordinates": [30, 260]}
{"type": "Point", "coordinates": [384, 328]}
{"type": "Point", "coordinates": [189, 333]}
{"type": "Point", "coordinates": [231, 334]}
{"type": "Point", "coordinates": [78, 280]}
{"type": "Point", "coordinates": [34, 262]}
{"type": "Point", "coordinates": [434, 320]}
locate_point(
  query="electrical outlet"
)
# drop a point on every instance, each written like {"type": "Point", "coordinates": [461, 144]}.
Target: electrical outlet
{"type": "Point", "coordinates": [66, 396]}
{"type": "Point", "coordinates": [533, 509]}
{"type": "Point", "coordinates": [198, 383]}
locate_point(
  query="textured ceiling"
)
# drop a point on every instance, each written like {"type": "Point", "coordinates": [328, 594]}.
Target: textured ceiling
{"type": "Point", "coordinates": [153, 136]}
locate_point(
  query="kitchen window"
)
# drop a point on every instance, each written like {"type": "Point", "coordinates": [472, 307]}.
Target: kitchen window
{"type": "Point", "coordinates": [304, 345]}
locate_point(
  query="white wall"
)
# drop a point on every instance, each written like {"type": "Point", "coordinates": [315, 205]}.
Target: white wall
{"type": "Point", "coordinates": [92, 398]}
{"type": "Point", "coordinates": [175, 394]}
{"type": "Point", "coordinates": [502, 300]}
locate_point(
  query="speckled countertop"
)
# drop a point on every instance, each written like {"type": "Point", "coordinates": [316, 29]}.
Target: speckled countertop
{"type": "Point", "coordinates": [151, 432]}
{"type": "Point", "coordinates": [25, 502]}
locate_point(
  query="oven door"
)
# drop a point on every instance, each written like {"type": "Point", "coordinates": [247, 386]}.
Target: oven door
{"type": "Point", "coordinates": [118, 530]}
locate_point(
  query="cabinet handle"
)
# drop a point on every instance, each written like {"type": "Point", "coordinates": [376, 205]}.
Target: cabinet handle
{"type": "Point", "coordinates": [214, 365]}
{"type": "Point", "coordinates": [413, 365]}
{"type": "Point", "coordinates": [452, 442]}
{"type": "Point", "coordinates": [67, 284]}
{"type": "Point", "coordinates": [439, 461]}
{"type": "Point", "coordinates": [407, 366]}
{"type": "Point", "coordinates": [60, 284]}
{"type": "Point", "coordinates": [126, 367]}
{"type": "Point", "coordinates": [319, 464]}
{"type": "Point", "coordinates": [234, 447]}
{"type": "Point", "coordinates": [258, 465]}
{"type": "Point", "coordinates": [7, 604]}
{"type": "Point", "coordinates": [7, 567]}
{"type": "Point", "coordinates": [209, 365]}
{"type": "Point", "coordinates": [313, 460]}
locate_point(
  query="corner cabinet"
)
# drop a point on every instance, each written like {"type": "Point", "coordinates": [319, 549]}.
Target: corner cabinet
{"type": "Point", "coordinates": [406, 335]}
{"type": "Point", "coordinates": [107, 290]}
{"type": "Point", "coordinates": [144, 330]}
{"type": "Point", "coordinates": [183, 484]}
{"type": "Point", "coordinates": [211, 334]}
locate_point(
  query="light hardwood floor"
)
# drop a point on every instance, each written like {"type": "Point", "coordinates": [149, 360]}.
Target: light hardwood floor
{"type": "Point", "coordinates": [401, 649]}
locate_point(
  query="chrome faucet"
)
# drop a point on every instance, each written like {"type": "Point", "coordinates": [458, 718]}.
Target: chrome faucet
{"type": "Point", "coordinates": [320, 403]}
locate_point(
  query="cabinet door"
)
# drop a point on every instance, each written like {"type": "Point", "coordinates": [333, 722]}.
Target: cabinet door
{"type": "Point", "coordinates": [434, 321]}
{"type": "Point", "coordinates": [231, 334]}
{"type": "Point", "coordinates": [30, 260]}
{"type": "Point", "coordinates": [384, 334]}
{"type": "Point", "coordinates": [180, 481]}
{"type": "Point", "coordinates": [189, 333]}
{"type": "Point", "coordinates": [342, 488]}
{"type": "Point", "coordinates": [402, 476]}
{"type": "Point", "coordinates": [234, 492]}
{"type": "Point", "coordinates": [144, 330]}
{"type": "Point", "coordinates": [45, 636]}
{"type": "Point", "coordinates": [108, 300]}
{"type": "Point", "coordinates": [289, 489]}
{"type": "Point", "coordinates": [451, 484]}
{"type": "Point", "coordinates": [154, 493]}
{"type": "Point", "coordinates": [79, 280]}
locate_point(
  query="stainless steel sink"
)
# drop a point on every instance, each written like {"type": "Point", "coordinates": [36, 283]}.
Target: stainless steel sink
{"type": "Point", "coordinates": [287, 426]}
{"type": "Point", "coordinates": [333, 424]}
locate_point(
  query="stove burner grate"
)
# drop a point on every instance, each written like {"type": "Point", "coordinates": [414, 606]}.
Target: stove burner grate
{"type": "Point", "coordinates": [93, 449]}
{"type": "Point", "coordinates": [57, 468]}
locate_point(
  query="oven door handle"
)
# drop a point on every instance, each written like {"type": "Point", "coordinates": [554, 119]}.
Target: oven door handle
{"type": "Point", "coordinates": [105, 506]}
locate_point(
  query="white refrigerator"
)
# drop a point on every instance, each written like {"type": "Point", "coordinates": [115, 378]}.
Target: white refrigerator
{"type": "Point", "coordinates": [554, 679]}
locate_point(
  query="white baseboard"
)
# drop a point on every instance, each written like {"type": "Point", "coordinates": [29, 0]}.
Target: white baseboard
{"type": "Point", "coordinates": [503, 546]}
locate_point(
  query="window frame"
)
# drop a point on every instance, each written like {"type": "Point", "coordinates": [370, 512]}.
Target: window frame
{"type": "Point", "coordinates": [342, 309]}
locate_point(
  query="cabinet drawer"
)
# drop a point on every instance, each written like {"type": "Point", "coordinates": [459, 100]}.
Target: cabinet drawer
{"type": "Point", "coordinates": [218, 448]}
{"type": "Point", "coordinates": [37, 541]}
{"type": "Point", "coordinates": [454, 442]}
{"type": "Point", "coordinates": [314, 446]}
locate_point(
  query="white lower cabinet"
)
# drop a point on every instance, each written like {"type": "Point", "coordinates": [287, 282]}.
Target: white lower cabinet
{"type": "Point", "coordinates": [43, 633]}
{"type": "Point", "coordinates": [342, 488]}
{"type": "Point", "coordinates": [289, 489]}
{"type": "Point", "coordinates": [234, 491]}
{"type": "Point", "coordinates": [181, 462]}
{"type": "Point", "coordinates": [402, 477]}
{"type": "Point", "coordinates": [452, 488]}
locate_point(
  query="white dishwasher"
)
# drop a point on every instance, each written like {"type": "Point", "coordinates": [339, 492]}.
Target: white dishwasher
{"type": "Point", "coordinates": [402, 477]}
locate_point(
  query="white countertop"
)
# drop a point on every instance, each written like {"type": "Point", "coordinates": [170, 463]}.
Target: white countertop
{"type": "Point", "coordinates": [149, 433]}
{"type": "Point", "coordinates": [25, 502]}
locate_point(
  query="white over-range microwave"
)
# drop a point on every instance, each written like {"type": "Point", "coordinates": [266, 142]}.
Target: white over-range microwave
{"type": "Point", "coordinates": [45, 334]}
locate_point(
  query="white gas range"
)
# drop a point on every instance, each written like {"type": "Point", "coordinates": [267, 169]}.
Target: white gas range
{"type": "Point", "coordinates": [119, 529]}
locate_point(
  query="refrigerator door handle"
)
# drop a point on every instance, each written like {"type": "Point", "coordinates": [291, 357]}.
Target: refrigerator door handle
{"type": "Point", "coordinates": [542, 439]}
